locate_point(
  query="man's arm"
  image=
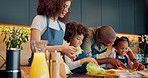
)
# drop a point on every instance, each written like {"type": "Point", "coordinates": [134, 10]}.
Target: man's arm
{"type": "Point", "coordinates": [111, 61]}
{"type": "Point", "coordinates": [131, 55]}
{"type": "Point", "coordinates": [103, 61]}
{"type": "Point", "coordinates": [136, 64]}
{"type": "Point", "coordinates": [86, 46]}
{"type": "Point", "coordinates": [88, 42]}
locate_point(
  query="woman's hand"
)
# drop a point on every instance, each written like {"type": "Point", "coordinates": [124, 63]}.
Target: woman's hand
{"type": "Point", "coordinates": [115, 62]}
{"type": "Point", "coordinates": [88, 59]}
{"type": "Point", "coordinates": [69, 51]}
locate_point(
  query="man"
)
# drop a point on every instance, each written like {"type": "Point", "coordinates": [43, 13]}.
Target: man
{"type": "Point", "coordinates": [98, 41]}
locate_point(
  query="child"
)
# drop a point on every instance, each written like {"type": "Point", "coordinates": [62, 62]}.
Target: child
{"type": "Point", "coordinates": [121, 46]}
{"type": "Point", "coordinates": [74, 34]}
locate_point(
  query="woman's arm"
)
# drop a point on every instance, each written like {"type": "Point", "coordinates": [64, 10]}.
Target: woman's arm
{"type": "Point", "coordinates": [67, 50]}
{"type": "Point", "coordinates": [34, 35]}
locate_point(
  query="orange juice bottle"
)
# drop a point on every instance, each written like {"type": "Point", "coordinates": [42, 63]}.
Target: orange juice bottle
{"type": "Point", "coordinates": [39, 67]}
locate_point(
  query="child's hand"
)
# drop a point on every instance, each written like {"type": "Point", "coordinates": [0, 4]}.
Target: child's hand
{"type": "Point", "coordinates": [88, 59]}
{"type": "Point", "coordinates": [75, 57]}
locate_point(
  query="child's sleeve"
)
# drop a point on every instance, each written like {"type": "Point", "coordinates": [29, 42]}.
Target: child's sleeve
{"type": "Point", "coordinates": [72, 64]}
{"type": "Point", "coordinates": [112, 55]}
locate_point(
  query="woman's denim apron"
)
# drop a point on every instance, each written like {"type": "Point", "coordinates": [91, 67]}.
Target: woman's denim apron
{"type": "Point", "coordinates": [54, 37]}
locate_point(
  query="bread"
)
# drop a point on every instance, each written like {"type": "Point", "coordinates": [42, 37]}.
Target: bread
{"type": "Point", "coordinates": [111, 72]}
{"type": "Point", "coordinates": [114, 71]}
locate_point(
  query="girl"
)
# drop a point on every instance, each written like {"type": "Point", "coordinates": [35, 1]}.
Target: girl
{"type": "Point", "coordinates": [74, 34]}
{"type": "Point", "coordinates": [121, 46]}
{"type": "Point", "coordinates": [49, 25]}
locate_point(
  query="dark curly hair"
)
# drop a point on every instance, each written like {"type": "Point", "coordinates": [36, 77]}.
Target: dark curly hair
{"type": "Point", "coordinates": [120, 39]}
{"type": "Point", "coordinates": [52, 8]}
{"type": "Point", "coordinates": [73, 28]}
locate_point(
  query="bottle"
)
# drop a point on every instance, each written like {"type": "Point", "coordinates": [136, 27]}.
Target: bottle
{"type": "Point", "coordinates": [39, 67]}
{"type": "Point", "coordinates": [55, 65]}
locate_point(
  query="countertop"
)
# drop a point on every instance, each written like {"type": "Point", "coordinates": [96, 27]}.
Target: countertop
{"type": "Point", "coordinates": [26, 69]}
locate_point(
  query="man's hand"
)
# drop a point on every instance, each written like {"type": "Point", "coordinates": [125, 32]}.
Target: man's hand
{"type": "Point", "coordinates": [115, 62]}
{"type": "Point", "coordinates": [137, 66]}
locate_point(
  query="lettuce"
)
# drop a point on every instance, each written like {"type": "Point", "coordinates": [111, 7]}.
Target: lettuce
{"type": "Point", "coordinates": [94, 69]}
{"type": "Point", "coordinates": [79, 51]}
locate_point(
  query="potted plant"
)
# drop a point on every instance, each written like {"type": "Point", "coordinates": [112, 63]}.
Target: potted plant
{"type": "Point", "coordinates": [144, 47]}
{"type": "Point", "coordinates": [14, 37]}
{"type": "Point", "coordinates": [133, 44]}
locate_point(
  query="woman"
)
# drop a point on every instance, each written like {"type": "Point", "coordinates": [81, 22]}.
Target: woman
{"type": "Point", "coordinates": [49, 25]}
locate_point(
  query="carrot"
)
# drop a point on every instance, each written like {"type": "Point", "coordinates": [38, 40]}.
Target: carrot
{"type": "Point", "coordinates": [120, 68]}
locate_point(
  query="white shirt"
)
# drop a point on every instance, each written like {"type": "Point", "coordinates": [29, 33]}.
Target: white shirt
{"type": "Point", "coordinates": [40, 23]}
{"type": "Point", "coordinates": [72, 64]}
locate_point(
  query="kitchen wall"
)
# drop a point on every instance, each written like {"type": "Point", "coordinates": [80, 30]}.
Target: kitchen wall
{"type": "Point", "coordinates": [125, 16]}
{"type": "Point", "coordinates": [146, 15]}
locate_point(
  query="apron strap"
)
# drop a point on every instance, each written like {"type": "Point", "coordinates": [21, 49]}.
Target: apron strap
{"type": "Point", "coordinates": [125, 59]}
{"type": "Point", "coordinates": [59, 25]}
{"type": "Point", "coordinates": [48, 22]}
{"type": "Point", "coordinates": [93, 47]}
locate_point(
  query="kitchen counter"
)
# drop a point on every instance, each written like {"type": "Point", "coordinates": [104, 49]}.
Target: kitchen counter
{"type": "Point", "coordinates": [25, 74]}
{"type": "Point", "coordinates": [26, 69]}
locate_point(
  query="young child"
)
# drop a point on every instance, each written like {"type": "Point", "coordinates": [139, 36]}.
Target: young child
{"type": "Point", "coordinates": [121, 46]}
{"type": "Point", "coordinates": [74, 34]}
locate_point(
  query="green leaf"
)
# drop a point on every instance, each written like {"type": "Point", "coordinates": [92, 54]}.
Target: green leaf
{"type": "Point", "coordinates": [94, 69]}
{"type": "Point", "coordinates": [79, 50]}
{"type": "Point", "coordinates": [14, 36]}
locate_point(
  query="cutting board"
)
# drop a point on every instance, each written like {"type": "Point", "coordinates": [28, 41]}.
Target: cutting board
{"type": "Point", "coordinates": [145, 72]}
{"type": "Point", "coordinates": [100, 75]}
